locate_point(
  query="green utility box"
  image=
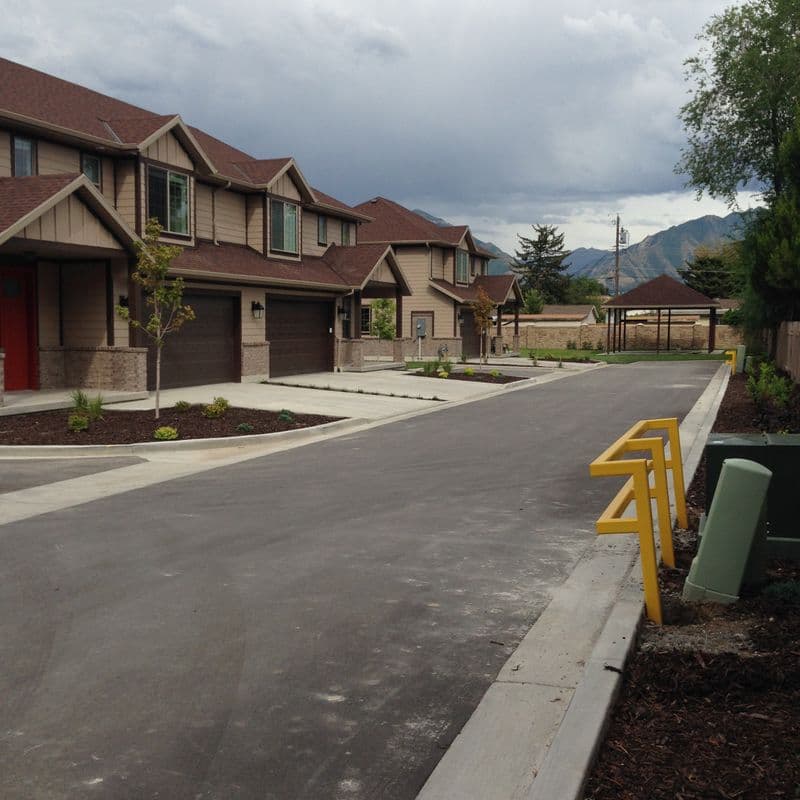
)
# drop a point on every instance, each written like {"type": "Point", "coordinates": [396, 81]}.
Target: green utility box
{"type": "Point", "coordinates": [781, 455]}
{"type": "Point", "coordinates": [732, 551]}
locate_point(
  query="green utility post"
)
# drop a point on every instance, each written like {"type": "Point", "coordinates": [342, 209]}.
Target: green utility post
{"type": "Point", "coordinates": [732, 550]}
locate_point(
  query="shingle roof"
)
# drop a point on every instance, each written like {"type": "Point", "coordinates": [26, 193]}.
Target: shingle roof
{"type": "Point", "coordinates": [498, 287]}
{"type": "Point", "coordinates": [395, 223]}
{"type": "Point", "coordinates": [21, 196]}
{"type": "Point", "coordinates": [662, 292]}
{"type": "Point", "coordinates": [354, 264]}
{"type": "Point", "coordinates": [53, 101]}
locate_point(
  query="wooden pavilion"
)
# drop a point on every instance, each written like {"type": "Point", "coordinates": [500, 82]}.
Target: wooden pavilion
{"type": "Point", "coordinates": [660, 294]}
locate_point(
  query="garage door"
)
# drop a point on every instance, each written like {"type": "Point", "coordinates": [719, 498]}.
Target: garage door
{"type": "Point", "coordinates": [299, 336]}
{"type": "Point", "coordinates": [204, 350]}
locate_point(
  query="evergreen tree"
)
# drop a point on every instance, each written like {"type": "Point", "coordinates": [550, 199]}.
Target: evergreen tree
{"type": "Point", "coordinates": [714, 272]}
{"type": "Point", "coordinates": [540, 263]}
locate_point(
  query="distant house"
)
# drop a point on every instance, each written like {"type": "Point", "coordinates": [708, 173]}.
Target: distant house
{"type": "Point", "coordinates": [560, 316]}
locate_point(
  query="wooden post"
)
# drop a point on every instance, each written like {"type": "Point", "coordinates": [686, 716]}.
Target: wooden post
{"type": "Point", "coordinates": [712, 329]}
{"type": "Point", "coordinates": [625, 329]}
{"type": "Point", "coordinates": [669, 323]}
{"type": "Point", "coordinates": [516, 320]}
{"type": "Point", "coordinates": [398, 313]}
{"type": "Point", "coordinates": [658, 332]}
{"type": "Point", "coordinates": [355, 314]}
{"type": "Point", "coordinates": [608, 330]}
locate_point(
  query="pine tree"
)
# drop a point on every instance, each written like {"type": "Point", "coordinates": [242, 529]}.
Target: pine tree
{"type": "Point", "coordinates": [540, 263]}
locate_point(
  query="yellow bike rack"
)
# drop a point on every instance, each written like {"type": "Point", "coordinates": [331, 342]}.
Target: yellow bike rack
{"type": "Point", "coordinates": [637, 489]}
{"type": "Point", "coordinates": [730, 360]}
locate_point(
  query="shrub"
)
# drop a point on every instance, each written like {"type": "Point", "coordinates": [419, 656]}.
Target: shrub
{"type": "Point", "coordinates": [216, 408]}
{"type": "Point", "coordinates": [78, 422]}
{"type": "Point", "coordinates": [766, 387]}
{"type": "Point", "coordinates": [469, 372]}
{"type": "Point", "coordinates": [443, 373]}
{"type": "Point", "coordinates": [433, 368]}
{"type": "Point", "coordinates": [245, 427]}
{"type": "Point", "coordinates": [495, 373]}
{"type": "Point", "coordinates": [165, 433]}
{"type": "Point", "coordinates": [600, 345]}
{"type": "Point", "coordinates": [80, 400]}
{"type": "Point", "coordinates": [182, 406]}
{"type": "Point", "coordinates": [94, 408]}
{"type": "Point", "coordinates": [83, 406]}
{"type": "Point", "coordinates": [571, 345]}
{"type": "Point", "coordinates": [285, 415]}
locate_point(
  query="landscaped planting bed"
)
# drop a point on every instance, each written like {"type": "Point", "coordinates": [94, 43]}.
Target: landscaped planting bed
{"type": "Point", "coordinates": [710, 705]}
{"type": "Point", "coordinates": [128, 427]}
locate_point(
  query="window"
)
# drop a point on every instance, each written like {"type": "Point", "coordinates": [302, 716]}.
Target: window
{"type": "Point", "coordinates": [322, 230]}
{"type": "Point", "coordinates": [462, 266]}
{"type": "Point", "coordinates": [366, 319]}
{"type": "Point", "coordinates": [24, 157]}
{"type": "Point", "coordinates": [92, 168]}
{"type": "Point", "coordinates": [345, 234]}
{"type": "Point", "coordinates": [283, 218]}
{"type": "Point", "coordinates": [168, 199]}
{"type": "Point", "coordinates": [472, 261]}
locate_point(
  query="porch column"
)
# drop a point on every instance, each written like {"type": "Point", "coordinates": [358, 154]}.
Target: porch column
{"type": "Point", "coordinates": [500, 322]}
{"type": "Point", "coordinates": [712, 329]}
{"type": "Point", "coordinates": [608, 330]}
{"type": "Point", "coordinates": [625, 329]}
{"type": "Point", "coordinates": [398, 313]}
{"type": "Point", "coordinates": [355, 322]}
{"type": "Point", "coordinates": [658, 331]}
{"type": "Point", "coordinates": [516, 320]}
{"type": "Point", "coordinates": [669, 324]}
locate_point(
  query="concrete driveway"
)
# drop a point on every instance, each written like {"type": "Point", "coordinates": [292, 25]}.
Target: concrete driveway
{"type": "Point", "coordinates": [318, 623]}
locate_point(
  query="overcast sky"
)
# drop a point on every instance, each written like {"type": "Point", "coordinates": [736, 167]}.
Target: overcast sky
{"type": "Point", "coordinates": [497, 116]}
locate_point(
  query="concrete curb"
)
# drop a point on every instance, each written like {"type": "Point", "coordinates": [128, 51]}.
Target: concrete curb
{"type": "Point", "coordinates": [571, 661]}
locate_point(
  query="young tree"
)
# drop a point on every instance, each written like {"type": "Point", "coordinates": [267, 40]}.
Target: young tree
{"type": "Point", "coordinates": [714, 272]}
{"type": "Point", "coordinates": [163, 296]}
{"type": "Point", "coordinates": [482, 310]}
{"type": "Point", "coordinates": [533, 301]}
{"type": "Point", "coordinates": [540, 263]}
{"type": "Point", "coordinates": [383, 319]}
{"type": "Point", "coordinates": [746, 90]}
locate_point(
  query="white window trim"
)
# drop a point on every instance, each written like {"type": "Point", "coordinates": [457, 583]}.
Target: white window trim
{"type": "Point", "coordinates": [168, 227]}
{"type": "Point", "coordinates": [272, 247]}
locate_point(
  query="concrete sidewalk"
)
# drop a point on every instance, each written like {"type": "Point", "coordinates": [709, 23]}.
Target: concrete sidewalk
{"type": "Point", "coordinates": [535, 733]}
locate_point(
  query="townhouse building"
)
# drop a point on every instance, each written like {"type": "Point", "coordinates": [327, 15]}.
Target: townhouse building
{"type": "Point", "coordinates": [275, 270]}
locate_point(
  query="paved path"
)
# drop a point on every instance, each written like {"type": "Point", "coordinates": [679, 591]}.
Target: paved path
{"type": "Point", "coordinates": [318, 623]}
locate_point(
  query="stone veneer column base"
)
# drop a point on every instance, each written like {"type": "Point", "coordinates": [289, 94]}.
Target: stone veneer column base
{"type": "Point", "coordinates": [255, 362]}
{"type": "Point", "coordinates": [118, 368]}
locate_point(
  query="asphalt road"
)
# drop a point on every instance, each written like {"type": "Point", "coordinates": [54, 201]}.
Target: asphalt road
{"type": "Point", "coordinates": [318, 623]}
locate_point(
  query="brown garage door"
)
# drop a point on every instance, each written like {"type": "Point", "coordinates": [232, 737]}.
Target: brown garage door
{"type": "Point", "coordinates": [470, 338]}
{"type": "Point", "coordinates": [204, 350]}
{"type": "Point", "coordinates": [299, 336]}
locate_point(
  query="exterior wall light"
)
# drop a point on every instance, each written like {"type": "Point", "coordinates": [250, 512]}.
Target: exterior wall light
{"type": "Point", "coordinates": [123, 301]}
{"type": "Point", "coordinates": [257, 309]}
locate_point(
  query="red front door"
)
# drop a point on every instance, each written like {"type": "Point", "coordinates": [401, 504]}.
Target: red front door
{"type": "Point", "coordinates": [17, 330]}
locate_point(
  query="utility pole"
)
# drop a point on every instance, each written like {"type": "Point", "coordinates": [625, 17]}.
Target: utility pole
{"type": "Point", "coordinates": [620, 238]}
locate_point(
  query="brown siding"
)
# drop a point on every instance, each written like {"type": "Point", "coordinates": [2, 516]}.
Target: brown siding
{"type": "Point", "coordinates": [255, 222]}
{"type": "Point", "coordinates": [231, 217]}
{"type": "Point", "coordinates": [168, 150]}
{"type": "Point", "coordinates": [309, 244]}
{"type": "Point", "coordinates": [415, 264]}
{"type": "Point", "coordinates": [108, 180]}
{"type": "Point", "coordinates": [203, 211]}
{"type": "Point", "coordinates": [55, 159]}
{"type": "Point", "coordinates": [119, 286]}
{"type": "Point", "coordinates": [47, 281]}
{"type": "Point", "coordinates": [5, 154]}
{"type": "Point", "coordinates": [70, 222]}
{"type": "Point", "coordinates": [285, 187]}
{"type": "Point", "coordinates": [438, 260]}
{"type": "Point", "coordinates": [126, 191]}
{"type": "Point", "coordinates": [84, 304]}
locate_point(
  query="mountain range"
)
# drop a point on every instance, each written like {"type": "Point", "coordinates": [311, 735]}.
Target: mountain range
{"type": "Point", "coordinates": [658, 254]}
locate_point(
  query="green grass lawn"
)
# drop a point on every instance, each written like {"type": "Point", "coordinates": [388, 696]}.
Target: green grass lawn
{"type": "Point", "coordinates": [616, 358]}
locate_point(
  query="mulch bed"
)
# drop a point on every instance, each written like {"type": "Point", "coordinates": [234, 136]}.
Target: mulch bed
{"type": "Point", "coordinates": [129, 427]}
{"type": "Point", "coordinates": [710, 705]}
{"type": "Point", "coordinates": [478, 377]}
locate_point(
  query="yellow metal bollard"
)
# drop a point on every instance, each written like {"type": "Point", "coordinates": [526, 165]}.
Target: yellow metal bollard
{"type": "Point", "coordinates": [731, 360]}
{"type": "Point", "coordinates": [637, 489]}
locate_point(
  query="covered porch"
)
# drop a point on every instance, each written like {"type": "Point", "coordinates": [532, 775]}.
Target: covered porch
{"type": "Point", "coordinates": [65, 257]}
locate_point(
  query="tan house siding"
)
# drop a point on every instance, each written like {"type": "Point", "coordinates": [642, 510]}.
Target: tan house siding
{"type": "Point", "coordinates": [119, 286]}
{"type": "Point", "coordinates": [70, 222]}
{"type": "Point", "coordinates": [229, 208]}
{"type": "Point", "coordinates": [255, 222]}
{"type": "Point", "coordinates": [415, 264]}
{"type": "Point", "coordinates": [204, 204]}
{"type": "Point", "coordinates": [168, 150]}
{"type": "Point", "coordinates": [126, 190]}
{"type": "Point", "coordinates": [438, 261]}
{"type": "Point", "coordinates": [54, 159]}
{"type": "Point", "coordinates": [47, 285]}
{"type": "Point", "coordinates": [5, 154]}
{"type": "Point", "coordinates": [253, 330]}
{"type": "Point", "coordinates": [83, 303]}
{"type": "Point", "coordinates": [310, 244]}
{"type": "Point", "coordinates": [108, 183]}
{"type": "Point", "coordinates": [285, 187]}
{"type": "Point", "coordinates": [383, 273]}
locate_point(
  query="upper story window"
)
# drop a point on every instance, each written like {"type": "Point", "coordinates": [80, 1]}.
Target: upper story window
{"type": "Point", "coordinates": [322, 230]}
{"type": "Point", "coordinates": [346, 234]}
{"type": "Point", "coordinates": [472, 262]}
{"type": "Point", "coordinates": [283, 219]}
{"type": "Point", "coordinates": [462, 266]}
{"type": "Point", "coordinates": [168, 199]}
{"type": "Point", "coordinates": [24, 157]}
{"type": "Point", "coordinates": [92, 168]}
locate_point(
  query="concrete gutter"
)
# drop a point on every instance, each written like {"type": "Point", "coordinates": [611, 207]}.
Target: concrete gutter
{"type": "Point", "coordinates": [536, 732]}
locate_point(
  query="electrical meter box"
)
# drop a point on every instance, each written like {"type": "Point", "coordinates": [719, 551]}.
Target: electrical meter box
{"type": "Point", "coordinates": [421, 328]}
